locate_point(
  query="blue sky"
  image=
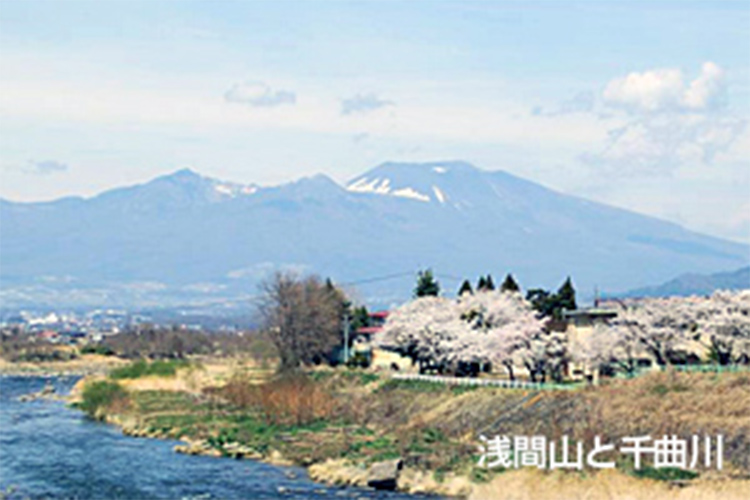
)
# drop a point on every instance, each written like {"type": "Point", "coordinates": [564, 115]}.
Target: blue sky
{"type": "Point", "coordinates": [643, 105]}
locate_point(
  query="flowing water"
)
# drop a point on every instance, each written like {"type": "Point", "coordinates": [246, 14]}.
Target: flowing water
{"type": "Point", "coordinates": [50, 451]}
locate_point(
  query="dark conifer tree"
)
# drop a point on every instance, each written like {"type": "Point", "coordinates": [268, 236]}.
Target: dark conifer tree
{"type": "Point", "coordinates": [465, 288]}
{"type": "Point", "coordinates": [481, 284]}
{"type": "Point", "coordinates": [565, 298]}
{"type": "Point", "coordinates": [489, 284]}
{"type": "Point", "coordinates": [510, 285]}
{"type": "Point", "coordinates": [427, 285]}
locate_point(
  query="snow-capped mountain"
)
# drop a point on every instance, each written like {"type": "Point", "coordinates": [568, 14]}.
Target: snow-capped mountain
{"type": "Point", "coordinates": [184, 237]}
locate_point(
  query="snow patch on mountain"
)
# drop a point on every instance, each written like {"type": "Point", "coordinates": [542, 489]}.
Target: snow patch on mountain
{"type": "Point", "coordinates": [383, 187]}
{"type": "Point", "coordinates": [231, 190]}
{"type": "Point", "coordinates": [411, 193]}
{"type": "Point", "coordinates": [439, 194]}
{"type": "Point", "coordinates": [364, 185]}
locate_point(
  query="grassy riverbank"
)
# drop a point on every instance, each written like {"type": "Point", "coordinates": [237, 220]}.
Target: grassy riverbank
{"type": "Point", "coordinates": [339, 423]}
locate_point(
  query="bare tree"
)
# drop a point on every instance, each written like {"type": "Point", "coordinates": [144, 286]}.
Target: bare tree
{"type": "Point", "coordinates": [302, 317]}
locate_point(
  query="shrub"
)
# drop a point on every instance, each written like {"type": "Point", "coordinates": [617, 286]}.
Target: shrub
{"type": "Point", "coordinates": [142, 368]}
{"type": "Point", "coordinates": [359, 360]}
{"type": "Point", "coordinates": [103, 395]}
{"type": "Point", "coordinates": [97, 349]}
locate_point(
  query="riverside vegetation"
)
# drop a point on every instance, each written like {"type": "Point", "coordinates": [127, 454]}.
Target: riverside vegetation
{"type": "Point", "coordinates": [340, 422]}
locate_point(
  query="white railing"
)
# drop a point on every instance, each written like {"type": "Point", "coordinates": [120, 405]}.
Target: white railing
{"type": "Point", "coordinates": [485, 382]}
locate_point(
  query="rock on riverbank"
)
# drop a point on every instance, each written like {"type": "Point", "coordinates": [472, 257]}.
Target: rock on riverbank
{"type": "Point", "coordinates": [340, 472]}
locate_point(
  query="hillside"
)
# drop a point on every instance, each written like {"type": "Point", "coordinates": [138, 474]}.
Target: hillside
{"type": "Point", "coordinates": [184, 238]}
{"type": "Point", "coordinates": [696, 284]}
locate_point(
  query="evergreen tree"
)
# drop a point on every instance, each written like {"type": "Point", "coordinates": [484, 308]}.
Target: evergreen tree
{"type": "Point", "coordinates": [541, 300]}
{"type": "Point", "coordinates": [481, 284]}
{"type": "Point", "coordinates": [565, 298]}
{"type": "Point", "coordinates": [360, 318]}
{"type": "Point", "coordinates": [510, 285]}
{"type": "Point", "coordinates": [553, 304]}
{"type": "Point", "coordinates": [465, 288]}
{"type": "Point", "coordinates": [489, 284]}
{"type": "Point", "coordinates": [426, 284]}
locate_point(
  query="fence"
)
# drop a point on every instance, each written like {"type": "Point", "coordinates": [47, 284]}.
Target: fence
{"type": "Point", "coordinates": [482, 382]}
{"type": "Point", "coordinates": [688, 369]}
{"type": "Point", "coordinates": [711, 368]}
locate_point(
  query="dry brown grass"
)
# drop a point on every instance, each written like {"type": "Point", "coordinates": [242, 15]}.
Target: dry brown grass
{"type": "Point", "coordinates": [203, 372]}
{"type": "Point", "coordinates": [609, 485]}
{"type": "Point", "coordinates": [656, 404]}
{"type": "Point", "coordinates": [286, 400]}
{"type": "Point", "coordinates": [82, 364]}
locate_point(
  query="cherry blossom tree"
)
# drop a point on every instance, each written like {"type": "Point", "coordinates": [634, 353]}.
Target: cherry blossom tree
{"type": "Point", "coordinates": [606, 346]}
{"type": "Point", "coordinates": [724, 323]}
{"type": "Point", "coordinates": [661, 326]}
{"type": "Point", "coordinates": [487, 327]}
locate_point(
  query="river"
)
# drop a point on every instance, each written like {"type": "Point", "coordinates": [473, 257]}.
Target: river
{"type": "Point", "coordinates": [50, 451]}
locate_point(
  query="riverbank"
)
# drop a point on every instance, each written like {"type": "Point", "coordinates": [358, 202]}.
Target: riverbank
{"type": "Point", "coordinates": [81, 366]}
{"type": "Point", "coordinates": [51, 451]}
{"type": "Point", "coordinates": [342, 424]}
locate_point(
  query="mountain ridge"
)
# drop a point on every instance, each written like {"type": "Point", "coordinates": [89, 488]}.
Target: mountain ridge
{"type": "Point", "coordinates": [163, 240]}
{"type": "Point", "coordinates": [696, 284]}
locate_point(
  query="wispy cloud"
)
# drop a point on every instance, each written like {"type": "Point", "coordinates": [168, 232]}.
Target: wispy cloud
{"type": "Point", "coordinates": [363, 103]}
{"type": "Point", "coordinates": [45, 167]}
{"type": "Point", "coordinates": [659, 145]}
{"type": "Point", "coordinates": [259, 94]}
{"type": "Point", "coordinates": [582, 102]}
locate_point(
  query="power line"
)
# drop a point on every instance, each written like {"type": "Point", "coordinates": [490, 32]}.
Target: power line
{"type": "Point", "coordinates": [397, 275]}
{"type": "Point", "coordinates": [378, 278]}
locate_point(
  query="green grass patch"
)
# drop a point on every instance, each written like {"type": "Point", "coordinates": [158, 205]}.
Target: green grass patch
{"type": "Point", "coordinates": [461, 389]}
{"type": "Point", "coordinates": [363, 431]}
{"type": "Point", "coordinates": [663, 389]}
{"type": "Point", "coordinates": [97, 349]}
{"type": "Point", "coordinates": [361, 377]}
{"type": "Point", "coordinates": [143, 368]}
{"type": "Point", "coordinates": [665, 473]}
{"type": "Point", "coordinates": [101, 395]}
{"type": "Point", "coordinates": [321, 375]}
{"type": "Point", "coordinates": [164, 401]}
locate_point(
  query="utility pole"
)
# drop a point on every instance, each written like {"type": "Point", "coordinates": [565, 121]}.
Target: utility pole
{"type": "Point", "coordinates": [346, 338]}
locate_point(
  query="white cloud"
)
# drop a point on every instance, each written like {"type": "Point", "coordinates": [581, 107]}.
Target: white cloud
{"type": "Point", "coordinates": [657, 145]}
{"type": "Point", "coordinates": [258, 94]}
{"type": "Point", "coordinates": [363, 103]}
{"type": "Point", "coordinates": [648, 91]}
{"type": "Point", "coordinates": [668, 123]}
{"type": "Point", "coordinates": [660, 90]}
{"type": "Point", "coordinates": [708, 89]}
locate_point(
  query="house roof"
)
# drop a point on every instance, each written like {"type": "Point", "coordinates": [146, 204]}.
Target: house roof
{"type": "Point", "coordinates": [379, 314]}
{"type": "Point", "coordinates": [369, 329]}
{"type": "Point", "coordinates": [591, 312]}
